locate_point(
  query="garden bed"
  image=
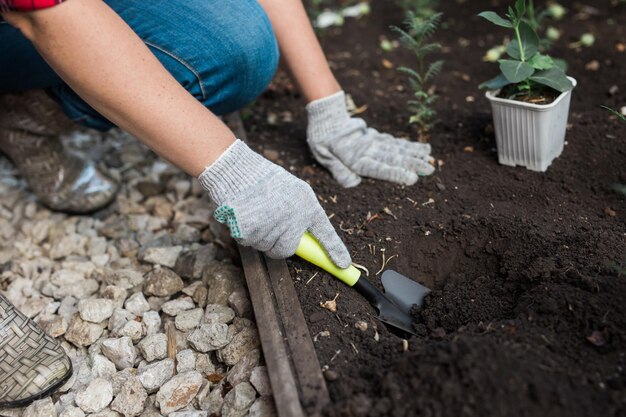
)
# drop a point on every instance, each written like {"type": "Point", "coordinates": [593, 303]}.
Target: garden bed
{"type": "Point", "coordinates": [526, 316]}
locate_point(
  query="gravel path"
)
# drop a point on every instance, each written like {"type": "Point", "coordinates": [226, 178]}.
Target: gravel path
{"type": "Point", "coordinates": [143, 295]}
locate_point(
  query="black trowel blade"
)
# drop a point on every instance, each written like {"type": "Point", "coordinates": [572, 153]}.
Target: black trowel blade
{"type": "Point", "coordinates": [403, 291]}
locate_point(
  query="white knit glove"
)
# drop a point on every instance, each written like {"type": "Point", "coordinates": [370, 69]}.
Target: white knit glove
{"type": "Point", "coordinates": [350, 150]}
{"type": "Point", "coordinates": [266, 207]}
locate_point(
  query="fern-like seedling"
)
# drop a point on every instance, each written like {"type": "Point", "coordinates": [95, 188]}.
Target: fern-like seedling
{"type": "Point", "coordinates": [416, 37]}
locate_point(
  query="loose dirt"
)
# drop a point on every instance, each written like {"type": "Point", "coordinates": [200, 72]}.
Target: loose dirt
{"type": "Point", "coordinates": [527, 315]}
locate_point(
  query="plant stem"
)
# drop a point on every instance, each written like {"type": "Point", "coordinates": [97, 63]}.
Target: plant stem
{"type": "Point", "coordinates": [519, 41]}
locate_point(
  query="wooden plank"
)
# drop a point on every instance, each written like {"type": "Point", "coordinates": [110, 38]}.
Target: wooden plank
{"type": "Point", "coordinates": [282, 379]}
{"type": "Point", "coordinates": [312, 386]}
{"type": "Point", "coordinates": [294, 370]}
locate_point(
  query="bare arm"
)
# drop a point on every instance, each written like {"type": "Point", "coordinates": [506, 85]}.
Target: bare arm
{"type": "Point", "coordinates": [300, 48]}
{"type": "Point", "coordinates": [107, 64]}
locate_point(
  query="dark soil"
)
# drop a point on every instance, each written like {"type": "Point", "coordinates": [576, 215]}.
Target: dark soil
{"type": "Point", "coordinates": [537, 96]}
{"type": "Point", "coordinates": [527, 315]}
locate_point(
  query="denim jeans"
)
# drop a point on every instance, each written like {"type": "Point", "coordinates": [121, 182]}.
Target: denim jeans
{"type": "Point", "coordinates": [223, 52]}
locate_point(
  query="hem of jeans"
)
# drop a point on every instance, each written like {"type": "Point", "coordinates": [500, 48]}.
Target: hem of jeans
{"type": "Point", "coordinates": [80, 118]}
{"type": "Point", "coordinates": [183, 63]}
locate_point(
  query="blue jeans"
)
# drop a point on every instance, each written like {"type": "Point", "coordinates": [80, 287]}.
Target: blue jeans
{"type": "Point", "coordinates": [223, 52]}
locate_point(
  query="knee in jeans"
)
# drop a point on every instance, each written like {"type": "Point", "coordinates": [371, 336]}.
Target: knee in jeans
{"type": "Point", "coordinates": [250, 62]}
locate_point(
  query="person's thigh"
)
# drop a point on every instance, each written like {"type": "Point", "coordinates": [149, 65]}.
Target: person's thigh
{"type": "Point", "coordinates": [223, 53]}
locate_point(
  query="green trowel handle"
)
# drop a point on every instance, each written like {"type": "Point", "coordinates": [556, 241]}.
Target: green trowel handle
{"type": "Point", "coordinates": [310, 250]}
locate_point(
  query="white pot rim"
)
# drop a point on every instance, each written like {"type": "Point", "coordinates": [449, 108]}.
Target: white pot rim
{"type": "Point", "coordinates": [492, 96]}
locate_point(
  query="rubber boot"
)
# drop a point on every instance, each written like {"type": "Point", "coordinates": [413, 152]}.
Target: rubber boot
{"type": "Point", "coordinates": [30, 126]}
{"type": "Point", "coordinates": [32, 364]}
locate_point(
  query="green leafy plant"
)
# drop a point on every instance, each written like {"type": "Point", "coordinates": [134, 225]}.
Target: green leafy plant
{"type": "Point", "coordinates": [417, 37]}
{"type": "Point", "coordinates": [527, 71]}
{"type": "Point", "coordinates": [536, 18]}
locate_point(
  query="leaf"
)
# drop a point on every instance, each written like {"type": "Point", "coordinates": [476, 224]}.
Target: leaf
{"type": "Point", "coordinates": [432, 99]}
{"type": "Point", "coordinates": [541, 62]}
{"type": "Point", "coordinates": [553, 78]}
{"type": "Point", "coordinates": [405, 38]}
{"type": "Point", "coordinates": [426, 28]}
{"type": "Point", "coordinates": [495, 83]}
{"type": "Point", "coordinates": [512, 15]}
{"type": "Point", "coordinates": [516, 71]}
{"type": "Point", "coordinates": [433, 70]}
{"type": "Point", "coordinates": [520, 7]}
{"type": "Point", "coordinates": [615, 112]}
{"type": "Point", "coordinates": [430, 48]}
{"type": "Point", "coordinates": [620, 188]}
{"type": "Point", "coordinates": [411, 73]}
{"type": "Point", "coordinates": [561, 64]}
{"type": "Point", "coordinates": [530, 43]}
{"type": "Point", "coordinates": [495, 19]}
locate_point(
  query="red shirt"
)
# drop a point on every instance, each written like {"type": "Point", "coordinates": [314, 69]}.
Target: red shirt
{"type": "Point", "coordinates": [27, 5]}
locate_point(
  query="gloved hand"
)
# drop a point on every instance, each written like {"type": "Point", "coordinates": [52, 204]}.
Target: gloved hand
{"type": "Point", "coordinates": [350, 150]}
{"type": "Point", "coordinates": [266, 207]}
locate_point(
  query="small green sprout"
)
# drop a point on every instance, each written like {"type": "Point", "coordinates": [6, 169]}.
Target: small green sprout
{"type": "Point", "coordinates": [526, 69]}
{"type": "Point", "coordinates": [620, 188]}
{"type": "Point", "coordinates": [587, 40]}
{"type": "Point", "coordinates": [386, 45]}
{"type": "Point", "coordinates": [553, 34]}
{"type": "Point", "coordinates": [494, 54]}
{"type": "Point", "coordinates": [416, 37]}
{"type": "Point", "coordinates": [556, 11]}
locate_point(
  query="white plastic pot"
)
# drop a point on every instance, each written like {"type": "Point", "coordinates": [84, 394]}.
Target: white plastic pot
{"type": "Point", "coordinates": [530, 135]}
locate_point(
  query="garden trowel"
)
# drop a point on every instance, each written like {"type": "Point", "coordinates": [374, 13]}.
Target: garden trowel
{"type": "Point", "coordinates": [393, 306]}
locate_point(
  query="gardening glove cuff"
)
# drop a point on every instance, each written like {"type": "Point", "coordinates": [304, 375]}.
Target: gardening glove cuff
{"type": "Point", "coordinates": [237, 169]}
{"type": "Point", "coordinates": [326, 114]}
{"type": "Point", "coordinates": [266, 207]}
{"type": "Point", "coordinates": [325, 117]}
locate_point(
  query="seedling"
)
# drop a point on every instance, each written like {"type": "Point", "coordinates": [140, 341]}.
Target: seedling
{"type": "Point", "coordinates": [619, 187]}
{"type": "Point", "coordinates": [528, 75]}
{"type": "Point", "coordinates": [494, 54]}
{"type": "Point", "coordinates": [553, 34]}
{"type": "Point", "coordinates": [587, 40]}
{"type": "Point", "coordinates": [619, 115]}
{"type": "Point", "coordinates": [416, 37]}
